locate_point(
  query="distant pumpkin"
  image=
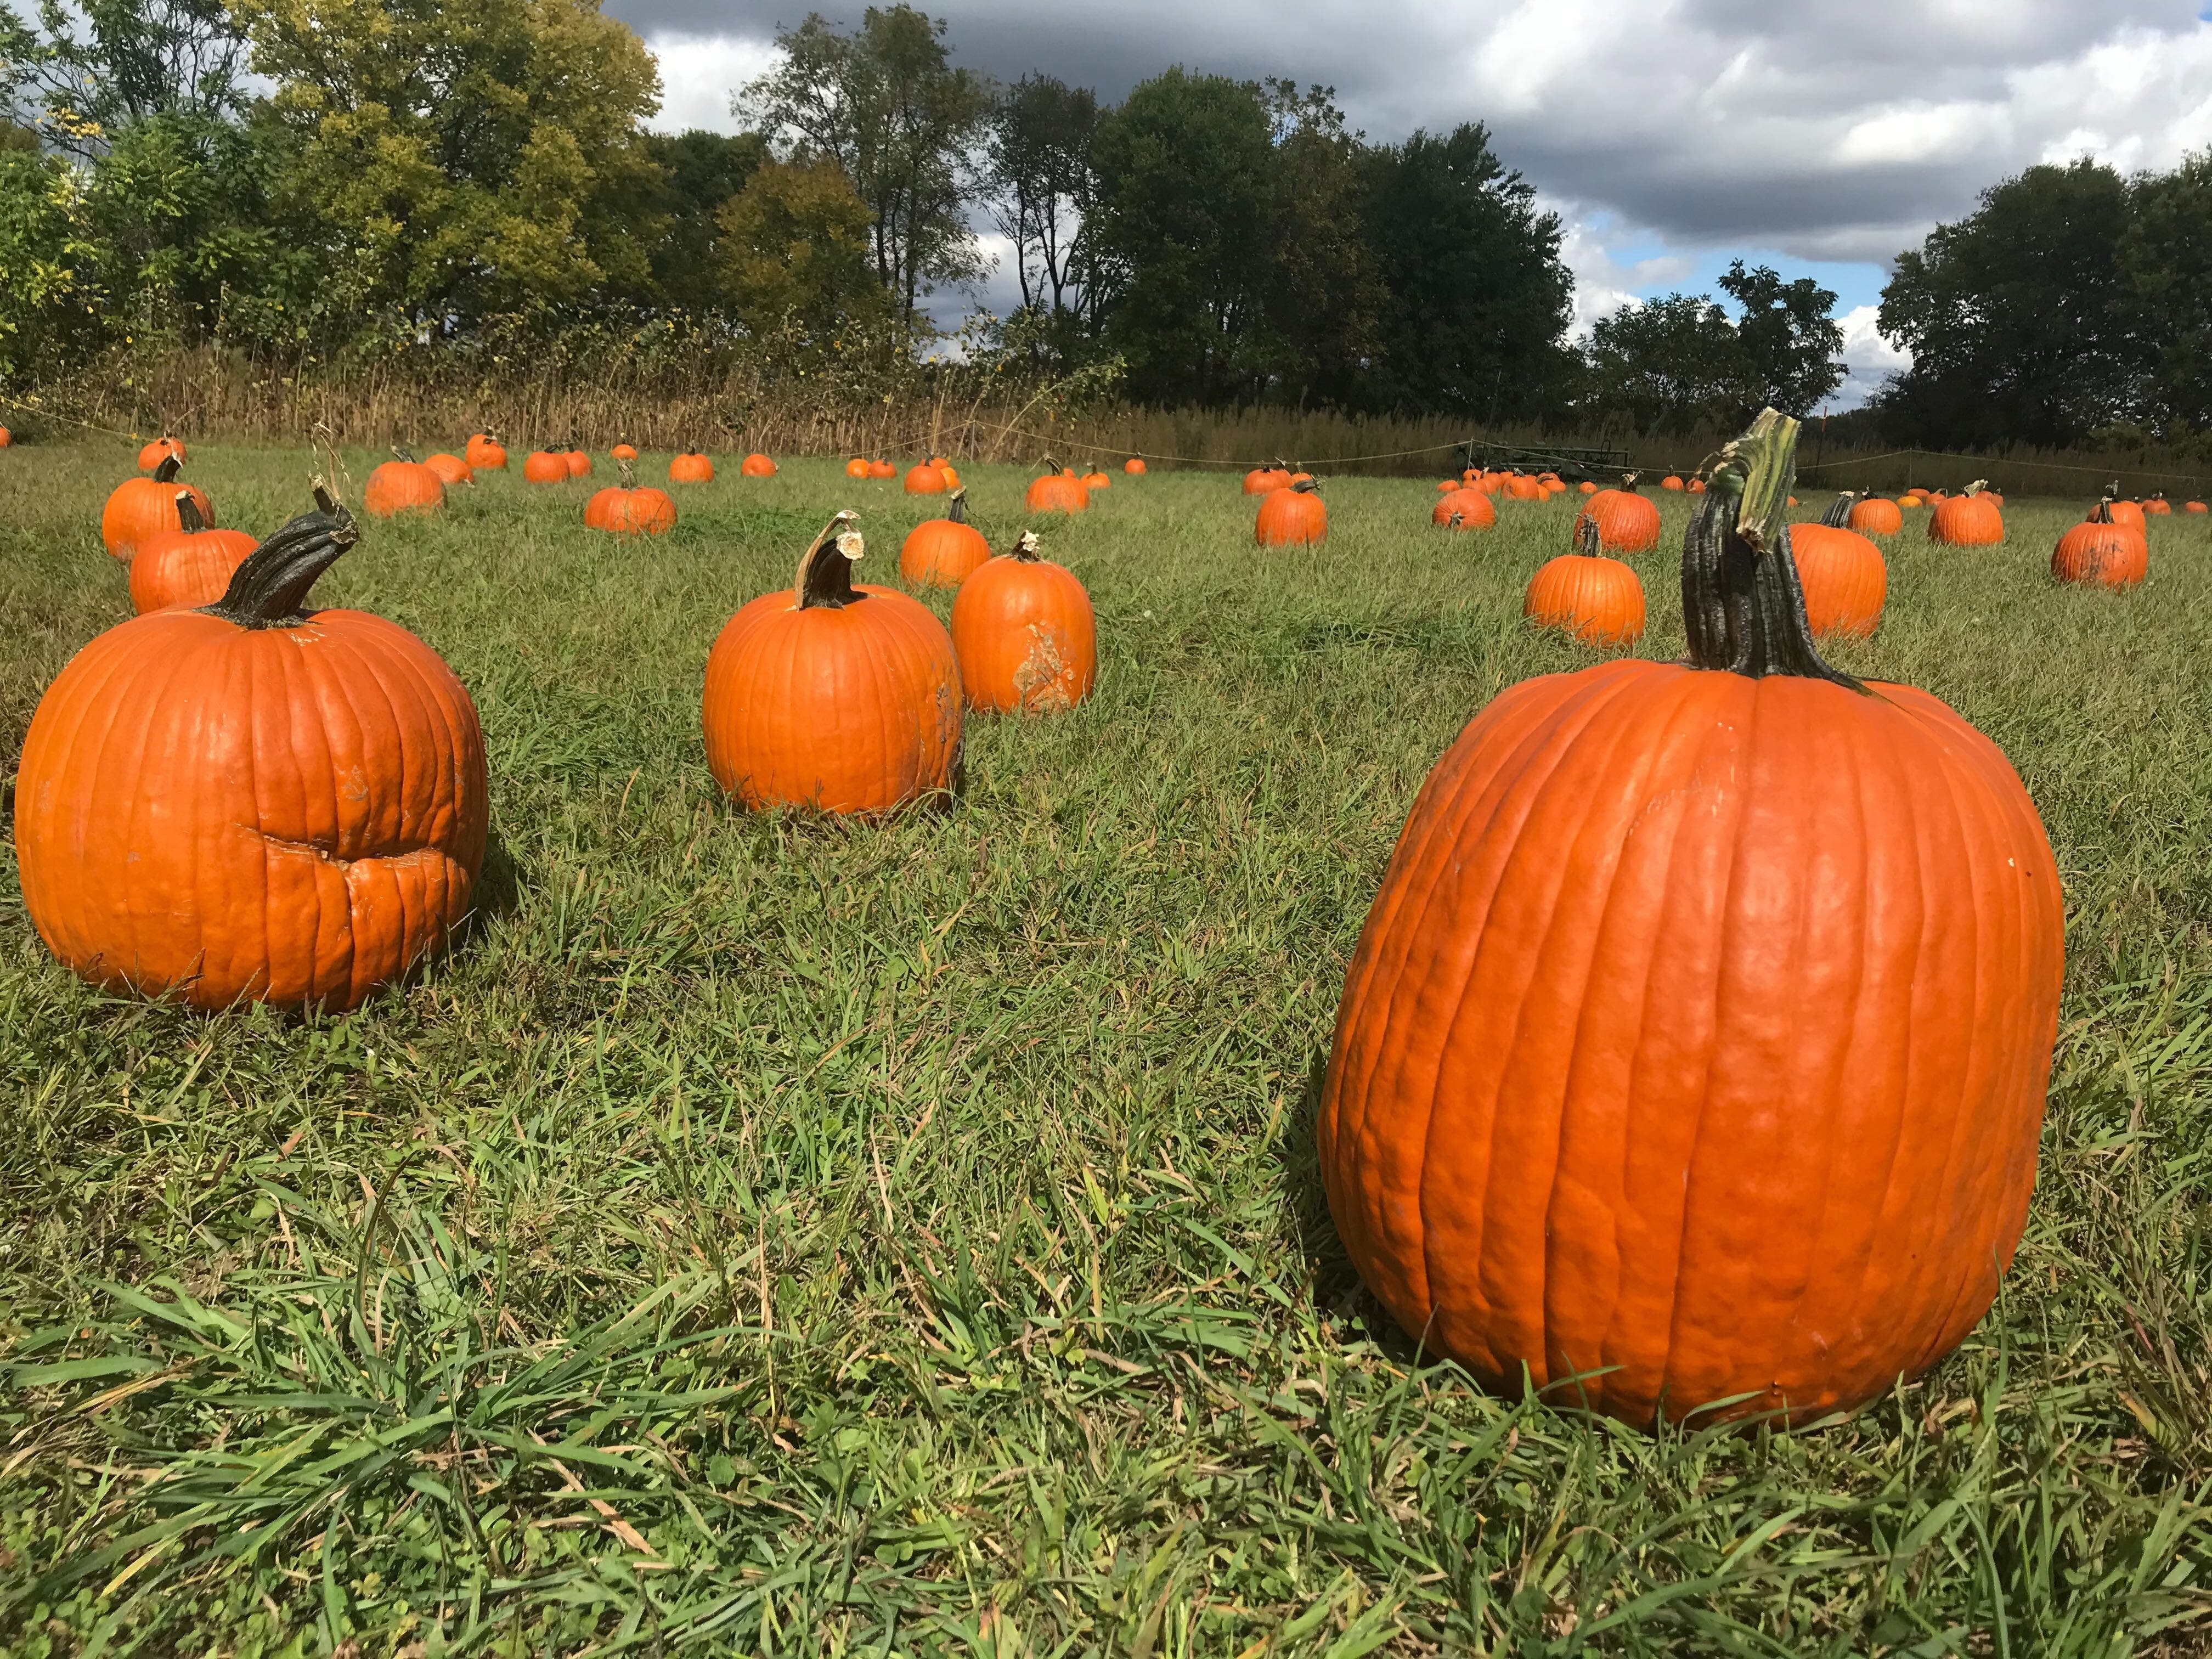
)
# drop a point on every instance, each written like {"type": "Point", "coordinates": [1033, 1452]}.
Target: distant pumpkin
{"type": "Point", "coordinates": [545, 467]}
{"type": "Point", "coordinates": [1598, 600]}
{"type": "Point", "coordinates": [1463, 509]}
{"type": "Point", "coordinates": [1844, 578]}
{"type": "Point", "coordinates": [1133, 466]}
{"type": "Point", "coordinates": [944, 552]}
{"type": "Point", "coordinates": [2101, 552]}
{"type": "Point", "coordinates": [690, 466]}
{"type": "Point", "coordinates": [141, 507]}
{"type": "Point", "coordinates": [1968, 520]}
{"type": "Point", "coordinates": [757, 465]}
{"type": "Point", "coordinates": [1292, 516]}
{"type": "Point", "coordinates": [402, 485]}
{"type": "Point", "coordinates": [191, 565]}
{"type": "Point", "coordinates": [484, 452]}
{"type": "Point", "coordinates": [1058, 490]}
{"type": "Point", "coordinates": [451, 469]}
{"type": "Point", "coordinates": [624, 509]}
{"type": "Point", "coordinates": [1625, 521]}
{"type": "Point", "coordinates": [150, 457]}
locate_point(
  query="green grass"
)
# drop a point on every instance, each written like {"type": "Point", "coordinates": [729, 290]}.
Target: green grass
{"type": "Point", "coordinates": [766, 1235]}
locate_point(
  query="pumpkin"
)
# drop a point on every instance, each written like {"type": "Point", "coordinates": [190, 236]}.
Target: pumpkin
{"type": "Point", "coordinates": [190, 565]}
{"type": "Point", "coordinates": [856, 468]}
{"type": "Point", "coordinates": [251, 801]}
{"type": "Point", "coordinates": [1843, 575]}
{"type": "Point", "coordinates": [1445, 486]}
{"type": "Point", "coordinates": [1598, 600]}
{"type": "Point", "coordinates": [1057, 491]}
{"type": "Point", "coordinates": [1586, 488]}
{"type": "Point", "coordinates": [1908, 500]}
{"type": "Point", "coordinates": [1918, 493]}
{"type": "Point", "coordinates": [627, 510]}
{"type": "Point", "coordinates": [924, 480]}
{"type": "Point", "coordinates": [1264, 480]}
{"type": "Point", "coordinates": [451, 469]}
{"type": "Point", "coordinates": [1291, 515]}
{"type": "Point", "coordinates": [152, 455]}
{"type": "Point", "coordinates": [882, 469]}
{"type": "Point", "coordinates": [1025, 635]}
{"type": "Point", "coordinates": [2158, 507]}
{"type": "Point", "coordinates": [484, 451]}
{"type": "Point", "coordinates": [2192, 506]}
{"type": "Point", "coordinates": [943, 552]}
{"type": "Point", "coordinates": [1695, 1047]}
{"type": "Point", "coordinates": [1968, 520]}
{"type": "Point", "coordinates": [2127, 512]}
{"type": "Point", "coordinates": [1625, 521]}
{"type": "Point", "coordinates": [544, 466]}
{"type": "Point", "coordinates": [1464, 509]}
{"type": "Point", "coordinates": [1135, 467]}
{"type": "Point", "coordinates": [6, 437]}
{"type": "Point", "coordinates": [580, 464]}
{"type": "Point", "coordinates": [402, 485]}
{"type": "Point", "coordinates": [1670, 482]}
{"type": "Point", "coordinates": [2102, 552]}
{"type": "Point", "coordinates": [1520, 488]}
{"type": "Point", "coordinates": [1871, 515]}
{"type": "Point", "coordinates": [757, 465]}
{"type": "Point", "coordinates": [1695, 487]}
{"type": "Point", "coordinates": [840, 698]}
{"type": "Point", "coordinates": [139, 508]}
{"type": "Point", "coordinates": [1095, 479]}
{"type": "Point", "coordinates": [690, 466]}
{"type": "Point", "coordinates": [624, 451]}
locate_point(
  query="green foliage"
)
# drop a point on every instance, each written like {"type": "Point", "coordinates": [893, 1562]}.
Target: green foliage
{"type": "Point", "coordinates": [701, 172]}
{"type": "Point", "coordinates": [2167, 254]}
{"type": "Point", "coordinates": [795, 250]}
{"type": "Point", "coordinates": [1673, 365]}
{"type": "Point", "coordinates": [101, 67]}
{"type": "Point", "coordinates": [51, 295]}
{"type": "Point", "coordinates": [1041, 184]}
{"type": "Point", "coordinates": [1788, 331]}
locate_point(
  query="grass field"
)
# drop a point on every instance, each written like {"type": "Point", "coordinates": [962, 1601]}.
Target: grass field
{"type": "Point", "coordinates": [766, 1235]}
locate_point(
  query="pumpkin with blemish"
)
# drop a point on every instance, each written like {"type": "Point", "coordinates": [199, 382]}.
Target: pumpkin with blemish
{"type": "Point", "coordinates": [1025, 634]}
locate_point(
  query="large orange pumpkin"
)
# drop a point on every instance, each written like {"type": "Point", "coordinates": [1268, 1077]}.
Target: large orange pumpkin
{"type": "Point", "coordinates": [484, 451]}
{"type": "Point", "coordinates": [451, 469]}
{"type": "Point", "coordinates": [1290, 516]}
{"type": "Point", "coordinates": [402, 485]}
{"type": "Point", "coordinates": [2102, 552]}
{"type": "Point", "coordinates": [141, 507]}
{"type": "Point", "coordinates": [1844, 579]}
{"type": "Point", "coordinates": [190, 565]}
{"type": "Point", "coordinates": [1597, 600]}
{"type": "Point", "coordinates": [1464, 509]}
{"type": "Point", "coordinates": [690, 466]}
{"type": "Point", "coordinates": [1025, 635]}
{"type": "Point", "coordinates": [1872, 515]}
{"type": "Point", "coordinates": [1968, 520]}
{"type": "Point", "coordinates": [151, 455]}
{"type": "Point", "coordinates": [944, 552]}
{"type": "Point", "coordinates": [924, 479]}
{"type": "Point", "coordinates": [1058, 490]}
{"type": "Point", "coordinates": [545, 467]}
{"type": "Point", "coordinates": [757, 465]}
{"type": "Point", "coordinates": [251, 801]}
{"type": "Point", "coordinates": [841, 698]}
{"type": "Point", "coordinates": [627, 510]}
{"type": "Point", "coordinates": [1695, 1048]}
{"type": "Point", "coordinates": [1625, 521]}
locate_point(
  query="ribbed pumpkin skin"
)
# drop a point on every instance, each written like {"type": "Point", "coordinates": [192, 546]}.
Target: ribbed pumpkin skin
{"type": "Point", "coordinates": [939, 553]}
{"type": "Point", "coordinates": [1289, 516]}
{"type": "Point", "coordinates": [882, 469]}
{"type": "Point", "coordinates": [544, 466]}
{"type": "Point", "coordinates": [294, 815]}
{"type": "Point", "coordinates": [1473, 508]}
{"type": "Point", "coordinates": [2128, 513]}
{"type": "Point", "coordinates": [1846, 579]}
{"type": "Point", "coordinates": [1965, 521]}
{"type": "Point", "coordinates": [1626, 522]}
{"type": "Point", "coordinates": [1026, 637]}
{"type": "Point", "coordinates": [451, 469]}
{"type": "Point", "coordinates": [850, 710]}
{"type": "Point", "coordinates": [1521, 489]}
{"type": "Point", "coordinates": [1057, 492]}
{"type": "Point", "coordinates": [2102, 556]}
{"type": "Point", "coordinates": [402, 487]}
{"type": "Point", "coordinates": [690, 467]}
{"type": "Point", "coordinates": [1599, 601]}
{"type": "Point", "coordinates": [757, 466]}
{"type": "Point", "coordinates": [1700, 1029]}
{"type": "Point", "coordinates": [186, 568]}
{"type": "Point", "coordinates": [624, 451]}
{"type": "Point", "coordinates": [1874, 516]}
{"type": "Point", "coordinates": [481, 452]}
{"type": "Point", "coordinates": [578, 463]}
{"type": "Point", "coordinates": [924, 480]}
{"type": "Point", "coordinates": [645, 512]}
{"type": "Point", "coordinates": [139, 509]}
{"type": "Point", "coordinates": [1265, 480]}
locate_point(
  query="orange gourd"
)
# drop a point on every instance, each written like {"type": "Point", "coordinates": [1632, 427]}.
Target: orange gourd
{"type": "Point", "coordinates": [690, 466]}
{"type": "Point", "coordinates": [1057, 491]}
{"type": "Point", "coordinates": [1265, 480]}
{"type": "Point", "coordinates": [1968, 520]}
{"type": "Point", "coordinates": [944, 552]}
{"type": "Point", "coordinates": [1135, 467]}
{"type": "Point", "coordinates": [2192, 506]}
{"type": "Point", "coordinates": [1844, 579]}
{"type": "Point", "coordinates": [1597, 600]}
{"type": "Point", "coordinates": [1695, 487]}
{"type": "Point", "coordinates": [6, 437]}
{"type": "Point", "coordinates": [827, 695]}
{"type": "Point", "coordinates": [856, 468]}
{"type": "Point", "coordinates": [1625, 521]}
{"type": "Point", "coordinates": [1095, 479]}
{"type": "Point", "coordinates": [1586, 488]}
{"type": "Point", "coordinates": [627, 510]}
{"type": "Point", "coordinates": [1646, 1079]}
{"type": "Point", "coordinates": [451, 469]}
{"type": "Point", "coordinates": [151, 455]}
{"type": "Point", "coordinates": [580, 464]}
{"type": "Point", "coordinates": [139, 508]}
{"type": "Point", "coordinates": [402, 485]}
{"type": "Point", "coordinates": [624, 451]}
{"type": "Point", "coordinates": [544, 466]}
{"type": "Point", "coordinates": [252, 801]}
{"type": "Point", "coordinates": [2157, 506]}
{"type": "Point", "coordinates": [1520, 487]}
{"type": "Point", "coordinates": [1670, 482]}
{"type": "Point", "coordinates": [2102, 552]}
{"type": "Point", "coordinates": [1871, 515]}
{"type": "Point", "coordinates": [1464, 509]}
{"type": "Point", "coordinates": [1025, 635]}
{"type": "Point", "coordinates": [925, 479]}
{"type": "Point", "coordinates": [191, 565]}
{"type": "Point", "coordinates": [1290, 516]}
{"type": "Point", "coordinates": [757, 465]}
{"type": "Point", "coordinates": [882, 469]}
{"type": "Point", "coordinates": [485, 452]}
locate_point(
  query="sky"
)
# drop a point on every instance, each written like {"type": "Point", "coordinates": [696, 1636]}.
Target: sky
{"type": "Point", "coordinates": [1670, 136]}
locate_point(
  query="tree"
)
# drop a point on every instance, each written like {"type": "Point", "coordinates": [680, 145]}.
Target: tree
{"type": "Point", "coordinates": [1042, 192]}
{"type": "Point", "coordinates": [460, 162]}
{"type": "Point", "coordinates": [886, 105]}
{"type": "Point", "coordinates": [796, 249]}
{"type": "Point", "coordinates": [1321, 294]}
{"type": "Point", "coordinates": [2017, 317]}
{"type": "Point", "coordinates": [100, 67]}
{"type": "Point", "coordinates": [701, 172]}
{"type": "Point", "coordinates": [1478, 302]}
{"type": "Point", "coordinates": [50, 298]}
{"type": "Point", "coordinates": [2165, 256]}
{"type": "Point", "coordinates": [1672, 365]}
{"type": "Point", "coordinates": [1789, 331]}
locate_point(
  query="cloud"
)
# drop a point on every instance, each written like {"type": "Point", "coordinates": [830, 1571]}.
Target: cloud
{"type": "Point", "coordinates": [699, 72]}
{"type": "Point", "coordinates": [1871, 358]}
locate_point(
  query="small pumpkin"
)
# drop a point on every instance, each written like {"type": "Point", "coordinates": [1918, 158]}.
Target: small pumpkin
{"type": "Point", "coordinates": [190, 565]}
{"type": "Point", "coordinates": [2158, 507]}
{"type": "Point", "coordinates": [1646, 1087]}
{"type": "Point", "coordinates": [1057, 491]}
{"type": "Point", "coordinates": [827, 695]}
{"type": "Point", "coordinates": [1872, 515]}
{"type": "Point", "coordinates": [1464, 509]}
{"type": "Point", "coordinates": [1134, 466]}
{"type": "Point", "coordinates": [1290, 516]}
{"type": "Point", "coordinates": [1095, 479]}
{"type": "Point", "coordinates": [2192, 506]}
{"type": "Point", "coordinates": [2101, 551]}
{"type": "Point", "coordinates": [484, 452]}
{"type": "Point", "coordinates": [580, 464]}
{"type": "Point", "coordinates": [1521, 487]}
{"type": "Point", "coordinates": [451, 469]}
{"type": "Point", "coordinates": [944, 552]}
{"type": "Point", "coordinates": [626, 510]}
{"type": "Point", "coordinates": [757, 465]}
{"type": "Point", "coordinates": [880, 470]}
{"type": "Point", "coordinates": [1844, 578]}
{"type": "Point", "coordinates": [299, 817]}
{"type": "Point", "coordinates": [150, 457]}
{"type": "Point", "coordinates": [1670, 482]}
{"type": "Point", "coordinates": [1600, 601]}
{"type": "Point", "coordinates": [545, 467]}
{"type": "Point", "coordinates": [1968, 520]}
{"type": "Point", "coordinates": [690, 466]}
{"type": "Point", "coordinates": [139, 508]}
{"type": "Point", "coordinates": [1904, 501]}
{"type": "Point", "coordinates": [1265, 480]}
{"type": "Point", "coordinates": [1586, 488]}
{"type": "Point", "coordinates": [6, 437]}
{"type": "Point", "coordinates": [857, 467]}
{"type": "Point", "coordinates": [925, 479]}
{"type": "Point", "coordinates": [1025, 634]}
{"type": "Point", "coordinates": [1625, 521]}
{"type": "Point", "coordinates": [402, 485]}
{"type": "Point", "coordinates": [624, 451]}
{"type": "Point", "coordinates": [1695, 487]}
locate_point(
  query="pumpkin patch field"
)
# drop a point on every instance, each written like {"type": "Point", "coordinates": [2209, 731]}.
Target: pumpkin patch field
{"type": "Point", "coordinates": [762, 1231]}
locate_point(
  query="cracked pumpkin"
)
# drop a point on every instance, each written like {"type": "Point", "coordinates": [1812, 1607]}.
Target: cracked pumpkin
{"type": "Point", "coordinates": [1694, 1055]}
{"type": "Point", "coordinates": [1025, 634]}
{"type": "Point", "coordinates": [253, 801]}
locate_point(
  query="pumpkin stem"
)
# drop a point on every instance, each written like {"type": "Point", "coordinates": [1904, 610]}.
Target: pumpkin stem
{"type": "Point", "coordinates": [1976, 487]}
{"type": "Point", "coordinates": [167, 472]}
{"type": "Point", "coordinates": [626, 474]}
{"type": "Point", "coordinates": [266, 590]}
{"type": "Point", "coordinates": [1050, 465]}
{"type": "Point", "coordinates": [402, 452]}
{"type": "Point", "coordinates": [1305, 487]}
{"type": "Point", "coordinates": [957, 512]}
{"type": "Point", "coordinates": [2102, 512]}
{"type": "Point", "coordinates": [1586, 538]}
{"type": "Point", "coordinates": [1024, 548]}
{"type": "Point", "coordinates": [825, 580]}
{"type": "Point", "coordinates": [1838, 515]}
{"type": "Point", "coordinates": [188, 513]}
{"type": "Point", "coordinates": [1742, 605]}
{"type": "Point", "coordinates": [1628, 482]}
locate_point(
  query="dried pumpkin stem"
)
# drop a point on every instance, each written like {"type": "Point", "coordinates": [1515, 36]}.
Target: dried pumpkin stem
{"type": "Point", "coordinates": [957, 511]}
{"type": "Point", "coordinates": [1025, 548]}
{"type": "Point", "coordinates": [626, 474]}
{"type": "Point", "coordinates": [1586, 538]}
{"type": "Point", "coordinates": [824, 581]}
{"type": "Point", "coordinates": [167, 472]}
{"type": "Point", "coordinates": [188, 513]}
{"type": "Point", "coordinates": [267, 589]}
{"type": "Point", "coordinates": [1838, 515]}
{"type": "Point", "coordinates": [402, 452]}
